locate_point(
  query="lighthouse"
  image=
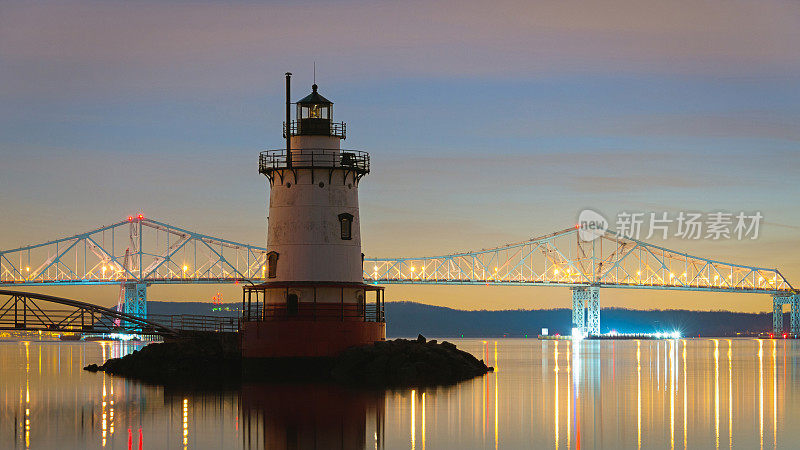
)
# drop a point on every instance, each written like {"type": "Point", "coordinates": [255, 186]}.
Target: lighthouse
{"type": "Point", "coordinates": [313, 301]}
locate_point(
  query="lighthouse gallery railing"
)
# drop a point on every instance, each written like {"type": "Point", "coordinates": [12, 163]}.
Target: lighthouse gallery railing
{"type": "Point", "coordinates": [313, 158]}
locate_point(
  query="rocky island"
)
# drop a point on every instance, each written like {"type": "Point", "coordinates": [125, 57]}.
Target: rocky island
{"type": "Point", "coordinates": [216, 361]}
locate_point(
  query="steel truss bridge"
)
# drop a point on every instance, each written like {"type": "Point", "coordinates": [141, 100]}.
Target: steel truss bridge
{"type": "Point", "coordinates": [133, 254]}
{"type": "Point", "coordinates": [138, 252]}
{"type": "Point", "coordinates": [607, 261]}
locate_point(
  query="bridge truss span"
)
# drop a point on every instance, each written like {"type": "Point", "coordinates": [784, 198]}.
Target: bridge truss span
{"type": "Point", "coordinates": [565, 259]}
{"type": "Point", "coordinates": [137, 250]}
{"type": "Point", "coordinates": [133, 254]}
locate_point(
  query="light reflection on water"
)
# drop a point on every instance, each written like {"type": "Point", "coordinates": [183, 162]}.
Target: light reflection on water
{"type": "Point", "coordinates": [692, 393]}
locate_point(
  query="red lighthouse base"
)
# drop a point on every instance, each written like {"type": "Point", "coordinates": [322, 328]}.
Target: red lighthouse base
{"type": "Point", "coordinates": [298, 328]}
{"type": "Point", "coordinates": [302, 338]}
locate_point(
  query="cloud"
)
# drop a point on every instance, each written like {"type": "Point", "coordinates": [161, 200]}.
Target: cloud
{"type": "Point", "coordinates": [61, 47]}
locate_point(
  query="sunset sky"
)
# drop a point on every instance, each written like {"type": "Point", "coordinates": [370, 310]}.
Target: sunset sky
{"type": "Point", "coordinates": [487, 123]}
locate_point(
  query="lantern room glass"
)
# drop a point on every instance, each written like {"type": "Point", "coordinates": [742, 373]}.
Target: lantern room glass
{"type": "Point", "coordinates": [315, 111]}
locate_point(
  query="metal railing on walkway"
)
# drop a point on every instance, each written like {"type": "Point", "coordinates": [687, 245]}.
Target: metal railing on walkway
{"type": "Point", "coordinates": [194, 322]}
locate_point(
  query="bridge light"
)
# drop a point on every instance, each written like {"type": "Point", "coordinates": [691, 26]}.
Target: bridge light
{"type": "Point", "coordinates": [412, 268]}
{"type": "Point", "coordinates": [715, 277]}
{"type": "Point", "coordinates": [185, 268]}
{"type": "Point", "coordinates": [555, 272]}
{"type": "Point", "coordinates": [671, 275]}
{"type": "Point", "coordinates": [376, 268]}
{"type": "Point", "coordinates": [130, 218]}
{"type": "Point", "coordinates": [495, 269]}
{"type": "Point", "coordinates": [27, 269]}
{"type": "Point", "coordinates": [141, 216]}
{"type": "Point", "coordinates": [638, 272]}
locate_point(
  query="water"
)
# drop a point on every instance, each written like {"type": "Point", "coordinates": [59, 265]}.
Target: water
{"type": "Point", "coordinates": [694, 393]}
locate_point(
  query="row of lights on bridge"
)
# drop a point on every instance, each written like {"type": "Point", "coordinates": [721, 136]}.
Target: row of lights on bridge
{"type": "Point", "coordinates": [638, 273]}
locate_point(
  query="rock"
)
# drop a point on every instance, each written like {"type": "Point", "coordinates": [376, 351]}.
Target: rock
{"type": "Point", "coordinates": [92, 368]}
{"type": "Point", "coordinates": [195, 360]}
{"type": "Point", "coordinates": [401, 363]}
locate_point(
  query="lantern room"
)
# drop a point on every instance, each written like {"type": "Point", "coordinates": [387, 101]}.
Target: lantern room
{"type": "Point", "coordinates": [315, 117]}
{"type": "Point", "coordinates": [314, 106]}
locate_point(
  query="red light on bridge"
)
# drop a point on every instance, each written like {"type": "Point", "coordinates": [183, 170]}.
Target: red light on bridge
{"type": "Point", "coordinates": [130, 218]}
{"type": "Point", "coordinates": [785, 335]}
{"type": "Point", "coordinates": [141, 216]}
{"type": "Point", "coordinates": [771, 335]}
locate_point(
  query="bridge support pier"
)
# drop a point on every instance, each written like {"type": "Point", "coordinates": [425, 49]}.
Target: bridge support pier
{"type": "Point", "coordinates": [589, 298]}
{"type": "Point", "coordinates": [777, 316]}
{"type": "Point", "coordinates": [578, 314]}
{"type": "Point", "coordinates": [136, 299]}
{"type": "Point", "coordinates": [777, 313]}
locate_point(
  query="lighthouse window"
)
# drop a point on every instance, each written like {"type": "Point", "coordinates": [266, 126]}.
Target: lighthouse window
{"type": "Point", "coordinates": [346, 223]}
{"type": "Point", "coordinates": [272, 260]}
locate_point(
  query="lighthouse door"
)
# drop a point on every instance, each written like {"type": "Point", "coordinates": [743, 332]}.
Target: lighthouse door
{"type": "Point", "coordinates": [292, 305]}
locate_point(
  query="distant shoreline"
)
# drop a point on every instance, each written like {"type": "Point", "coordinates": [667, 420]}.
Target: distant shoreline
{"type": "Point", "coordinates": [407, 319]}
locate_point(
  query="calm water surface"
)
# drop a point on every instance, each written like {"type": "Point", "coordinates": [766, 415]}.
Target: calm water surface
{"type": "Point", "coordinates": [694, 393]}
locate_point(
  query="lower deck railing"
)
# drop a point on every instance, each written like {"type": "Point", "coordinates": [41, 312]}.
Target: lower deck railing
{"type": "Point", "coordinates": [314, 311]}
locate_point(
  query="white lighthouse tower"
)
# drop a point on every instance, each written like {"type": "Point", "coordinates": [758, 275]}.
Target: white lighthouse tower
{"type": "Point", "coordinates": [314, 301]}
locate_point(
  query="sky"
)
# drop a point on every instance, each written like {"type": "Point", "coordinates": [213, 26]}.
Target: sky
{"type": "Point", "coordinates": [487, 123]}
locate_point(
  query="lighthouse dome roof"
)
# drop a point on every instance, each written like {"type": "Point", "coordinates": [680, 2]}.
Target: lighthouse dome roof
{"type": "Point", "coordinates": [314, 98]}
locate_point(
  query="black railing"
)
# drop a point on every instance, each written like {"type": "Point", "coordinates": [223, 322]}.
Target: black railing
{"type": "Point", "coordinates": [316, 127]}
{"type": "Point", "coordinates": [193, 322]}
{"type": "Point", "coordinates": [313, 158]}
{"type": "Point", "coordinates": [315, 311]}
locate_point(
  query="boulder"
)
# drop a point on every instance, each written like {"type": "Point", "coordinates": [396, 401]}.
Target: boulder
{"type": "Point", "coordinates": [402, 363]}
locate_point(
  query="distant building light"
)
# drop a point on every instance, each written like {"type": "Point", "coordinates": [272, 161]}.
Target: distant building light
{"type": "Point", "coordinates": [577, 334]}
